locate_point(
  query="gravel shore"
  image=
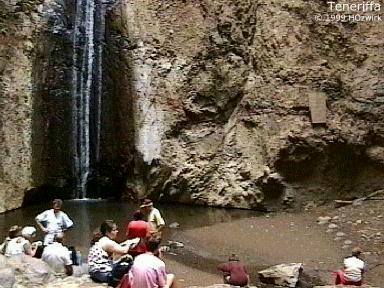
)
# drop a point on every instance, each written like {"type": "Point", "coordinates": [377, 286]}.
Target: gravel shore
{"type": "Point", "coordinates": [264, 241]}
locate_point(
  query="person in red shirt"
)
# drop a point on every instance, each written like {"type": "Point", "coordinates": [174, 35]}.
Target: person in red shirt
{"type": "Point", "coordinates": [138, 228]}
{"type": "Point", "coordinates": [234, 272]}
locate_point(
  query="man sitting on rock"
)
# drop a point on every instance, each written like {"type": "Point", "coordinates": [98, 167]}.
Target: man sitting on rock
{"type": "Point", "coordinates": [234, 272]}
{"type": "Point", "coordinates": [58, 256]}
{"type": "Point", "coordinates": [353, 271]}
{"type": "Point", "coordinates": [148, 270]}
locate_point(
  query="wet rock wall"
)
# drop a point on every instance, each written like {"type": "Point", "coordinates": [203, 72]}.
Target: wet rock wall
{"type": "Point", "coordinates": [205, 102]}
{"type": "Point", "coordinates": [52, 102]}
{"type": "Point", "coordinates": [220, 90]}
{"type": "Point", "coordinates": [33, 99]}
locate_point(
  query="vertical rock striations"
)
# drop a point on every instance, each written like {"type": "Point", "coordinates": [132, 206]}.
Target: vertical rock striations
{"type": "Point", "coordinates": [219, 91]}
{"type": "Point", "coordinates": [16, 45]}
{"type": "Point", "coordinates": [205, 102]}
{"type": "Point", "coordinates": [35, 50]}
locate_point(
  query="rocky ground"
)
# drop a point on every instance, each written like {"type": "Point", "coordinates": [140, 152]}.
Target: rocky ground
{"type": "Point", "coordinates": [360, 225]}
{"type": "Point", "coordinates": [319, 238]}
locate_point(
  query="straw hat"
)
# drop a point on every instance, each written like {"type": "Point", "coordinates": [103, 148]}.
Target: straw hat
{"type": "Point", "coordinates": [146, 203]}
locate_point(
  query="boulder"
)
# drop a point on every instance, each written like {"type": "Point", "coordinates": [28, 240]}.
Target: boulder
{"type": "Point", "coordinates": [27, 272]}
{"type": "Point", "coordinates": [31, 272]}
{"type": "Point", "coordinates": [286, 275]}
{"type": "Point", "coordinates": [323, 220]}
{"type": "Point", "coordinates": [7, 278]}
{"type": "Point", "coordinates": [174, 225]}
{"type": "Point", "coordinates": [3, 261]}
{"type": "Point", "coordinates": [175, 244]}
{"type": "Point", "coordinates": [75, 282]}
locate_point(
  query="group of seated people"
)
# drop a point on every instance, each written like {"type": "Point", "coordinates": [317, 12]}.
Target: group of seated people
{"type": "Point", "coordinates": [108, 261]}
{"type": "Point", "coordinates": [18, 241]}
{"type": "Point", "coordinates": [137, 261]}
{"type": "Point", "coordinates": [53, 222]}
{"type": "Point", "coordinates": [55, 254]}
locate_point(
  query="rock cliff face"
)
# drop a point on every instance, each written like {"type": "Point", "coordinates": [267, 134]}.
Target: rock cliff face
{"type": "Point", "coordinates": [219, 96]}
{"type": "Point", "coordinates": [205, 102]}
{"type": "Point", "coordinates": [15, 103]}
{"type": "Point", "coordinates": [32, 98]}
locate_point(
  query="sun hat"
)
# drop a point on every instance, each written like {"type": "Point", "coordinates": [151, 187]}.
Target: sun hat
{"type": "Point", "coordinates": [28, 231]}
{"type": "Point", "coordinates": [146, 203]}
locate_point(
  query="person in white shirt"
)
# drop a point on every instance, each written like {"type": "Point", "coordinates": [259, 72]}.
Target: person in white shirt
{"type": "Point", "coordinates": [13, 232]}
{"type": "Point", "coordinates": [53, 221]}
{"type": "Point", "coordinates": [353, 271]}
{"type": "Point", "coordinates": [154, 218]}
{"type": "Point", "coordinates": [57, 256]}
{"type": "Point", "coordinates": [21, 244]}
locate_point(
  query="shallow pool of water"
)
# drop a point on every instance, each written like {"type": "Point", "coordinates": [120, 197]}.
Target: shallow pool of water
{"type": "Point", "coordinates": [88, 214]}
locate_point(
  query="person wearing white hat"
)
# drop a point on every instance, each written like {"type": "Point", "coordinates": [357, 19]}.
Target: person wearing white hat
{"type": "Point", "coordinates": [22, 243]}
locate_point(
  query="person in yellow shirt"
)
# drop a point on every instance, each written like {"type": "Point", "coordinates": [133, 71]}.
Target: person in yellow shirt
{"type": "Point", "coordinates": [153, 217]}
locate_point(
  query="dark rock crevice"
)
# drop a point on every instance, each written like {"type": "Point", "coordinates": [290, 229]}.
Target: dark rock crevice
{"type": "Point", "coordinates": [329, 170]}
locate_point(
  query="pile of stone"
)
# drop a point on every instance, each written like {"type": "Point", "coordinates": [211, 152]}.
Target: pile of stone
{"type": "Point", "coordinates": [27, 272]}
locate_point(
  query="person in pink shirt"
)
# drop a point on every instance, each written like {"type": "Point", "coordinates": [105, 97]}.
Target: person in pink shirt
{"type": "Point", "coordinates": [149, 271]}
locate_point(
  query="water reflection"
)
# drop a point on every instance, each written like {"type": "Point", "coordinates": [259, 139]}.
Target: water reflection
{"type": "Point", "coordinates": [87, 216]}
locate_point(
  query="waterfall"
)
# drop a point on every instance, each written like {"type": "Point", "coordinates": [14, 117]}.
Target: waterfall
{"type": "Point", "coordinates": [86, 90]}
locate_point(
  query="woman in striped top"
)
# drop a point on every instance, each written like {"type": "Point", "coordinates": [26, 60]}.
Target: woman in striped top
{"type": "Point", "coordinates": [101, 266]}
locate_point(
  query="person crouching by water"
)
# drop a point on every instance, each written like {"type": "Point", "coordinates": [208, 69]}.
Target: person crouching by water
{"type": "Point", "coordinates": [53, 221]}
{"type": "Point", "coordinates": [234, 272]}
{"type": "Point", "coordinates": [353, 271]}
{"type": "Point", "coordinates": [21, 244]}
{"type": "Point", "coordinates": [57, 256]}
{"type": "Point", "coordinates": [153, 217]}
{"type": "Point", "coordinates": [101, 266]}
